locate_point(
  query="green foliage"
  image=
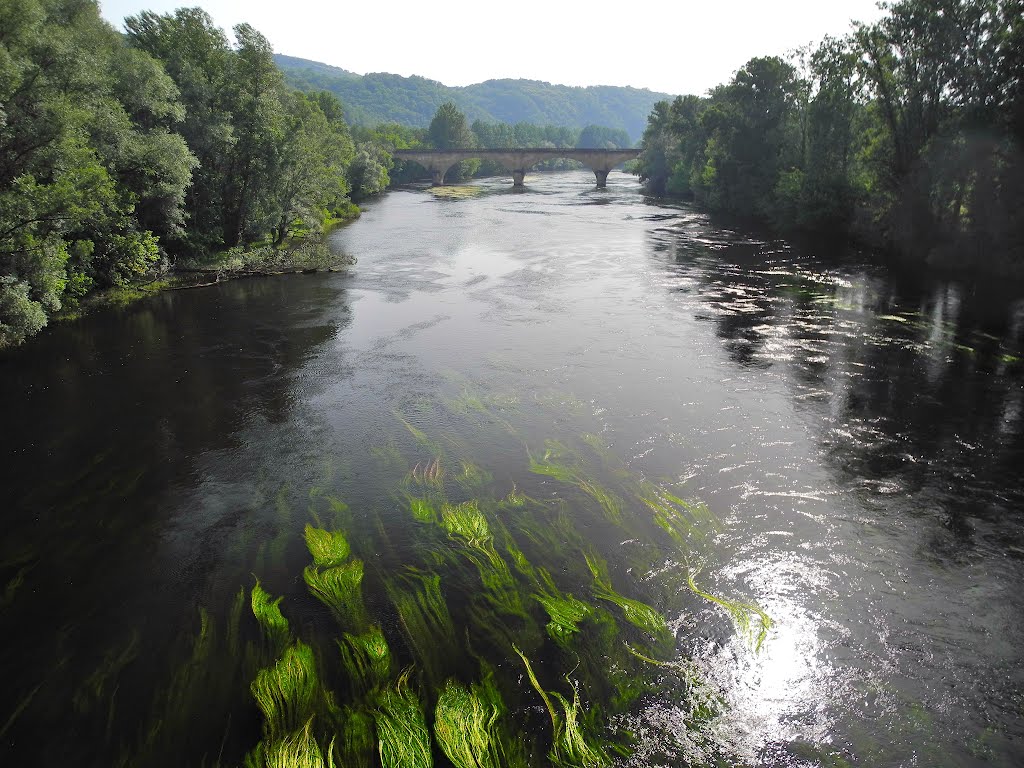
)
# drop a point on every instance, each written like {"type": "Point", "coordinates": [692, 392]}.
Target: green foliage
{"type": "Point", "coordinates": [91, 173]}
{"type": "Point", "coordinates": [286, 693]}
{"type": "Point", "coordinates": [602, 137]}
{"type": "Point", "coordinates": [637, 613]}
{"type": "Point", "coordinates": [906, 134]}
{"type": "Point", "coordinates": [271, 621]}
{"type": "Point", "coordinates": [402, 728]}
{"type": "Point", "coordinates": [328, 548]}
{"type": "Point", "coordinates": [367, 659]}
{"type": "Point", "coordinates": [340, 589]}
{"type": "Point", "coordinates": [467, 727]}
{"type": "Point", "coordinates": [448, 130]}
{"type": "Point", "coordinates": [120, 153]}
{"type": "Point", "coordinates": [379, 98]}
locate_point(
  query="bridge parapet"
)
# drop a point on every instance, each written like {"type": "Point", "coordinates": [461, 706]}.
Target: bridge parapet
{"type": "Point", "coordinates": [518, 161]}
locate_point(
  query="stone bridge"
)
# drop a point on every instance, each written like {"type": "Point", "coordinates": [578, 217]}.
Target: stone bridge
{"type": "Point", "coordinates": [517, 161]}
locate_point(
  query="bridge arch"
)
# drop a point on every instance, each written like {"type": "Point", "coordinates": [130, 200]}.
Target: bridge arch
{"type": "Point", "coordinates": [518, 161]}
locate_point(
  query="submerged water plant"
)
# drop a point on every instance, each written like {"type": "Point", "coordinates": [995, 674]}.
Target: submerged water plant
{"type": "Point", "coordinates": [425, 620]}
{"type": "Point", "coordinates": [682, 520]}
{"type": "Point", "coordinates": [340, 589]}
{"type": "Point", "coordinates": [570, 746]}
{"type": "Point", "coordinates": [466, 525]}
{"type": "Point", "coordinates": [357, 742]}
{"type": "Point", "coordinates": [296, 750]}
{"type": "Point", "coordinates": [328, 548]}
{"type": "Point", "coordinates": [637, 613]}
{"type": "Point", "coordinates": [565, 611]}
{"type": "Point", "coordinates": [560, 463]}
{"type": "Point", "coordinates": [286, 692]}
{"type": "Point", "coordinates": [367, 659]}
{"type": "Point", "coordinates": [404, 741]}
{"type": "Point", "coordinates": [751, 619]}
{"type": "Point", "coordinates": [467, 726]}
{"type": "Point", "coordinates": [429, 475]}
{"type": "Point", "coordinates": [268, 613]}
{"type": "Point", "coordinates": [422, 510]}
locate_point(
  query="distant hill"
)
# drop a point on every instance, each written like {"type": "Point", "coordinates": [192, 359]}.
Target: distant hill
{"type": "Point", "coordinates": [380, 97]}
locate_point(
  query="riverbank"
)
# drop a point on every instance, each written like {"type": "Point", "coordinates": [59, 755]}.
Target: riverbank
{"type": "Point", "coordinates": [300, 255]}
{"type": "Point", "coordinates": [998, 273]}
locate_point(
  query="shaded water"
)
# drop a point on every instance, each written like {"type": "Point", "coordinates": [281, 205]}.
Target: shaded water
{"type": "Point", "coordinates": [859, 441]}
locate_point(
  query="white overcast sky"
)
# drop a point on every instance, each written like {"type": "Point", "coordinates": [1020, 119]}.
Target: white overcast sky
{"type": "Point", "coordinates": [679, 46]}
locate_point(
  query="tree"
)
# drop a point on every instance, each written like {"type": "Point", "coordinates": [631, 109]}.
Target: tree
{"type": "Point", "coordinates": [196, 55]}
{"type": "Point", "coordinates": [91, 171]}
{"type": "Point", "coordinates": [313, 156]}
{"type": "Point", "coordinates": [601, 137]}
{"type": "Point", "coordinates": [448, 131]}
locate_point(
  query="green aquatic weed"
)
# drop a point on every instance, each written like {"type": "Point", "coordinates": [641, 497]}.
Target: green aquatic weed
{"type": "Point", "coordinates": [468, 729]}
{"type": "Point", "coordinates": [466, 523]}
{"type": "Point", "coordinates": [358, 739]}
{"type": "Point", "coordinates": [402, 727]}
{"type": "Point", "coordinates": [570, 746]}
{"type": "Point", "coordinates": [328, 548]}
{"type": "Point", "coordinates": [424, 618]}
{"type": "Point", "coordinates": [565, 465]}
{"type": "Point", "coordinates": [271, 621]}
{"type": "Point", "coordinates": [286, 692]}
{"type": "Point", "coordinates": [422, 510]}
{"type": "Point", "coordinates": [366, 658]}
{"type": "Point", "coordinates": [472, 477]}
{"type": "Point", "coordinates": [428, 475]}
{"type": "Point", "coordinates": [554, 463]}
{"type": "Point", "coordinates": [106, 674]}
{"type": "Point", "coordinates": [679, 518]}
{"type": "Point", "coordinates": [297, 750]}
{"type": "Point", "coordinates": [744, 614]}
{"type": "Point", "coordinates": [461, 727]}
{"type": "Point", "coordinates": [565, 611]}
{"type": "Point", "coordinates": [340, 589]}
{"type": "Point", "coordinates": [638, 614]}
{"type": "Point", "coordinates": [514, 498]}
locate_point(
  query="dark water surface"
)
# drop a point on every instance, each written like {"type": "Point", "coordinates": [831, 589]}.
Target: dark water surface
{"type": "Point", "coordinates": [860, 441]}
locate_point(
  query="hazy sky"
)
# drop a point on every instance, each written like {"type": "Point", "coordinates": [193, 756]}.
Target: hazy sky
{"type": "Point", "coordinates": [675, 46]}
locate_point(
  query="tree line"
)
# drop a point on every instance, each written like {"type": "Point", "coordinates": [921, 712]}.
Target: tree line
{"type": "Point", "coordinates": [118, 151]}
{"type": "Point", "coordinates": [449, 129]}
{"type": "Point", "coordinates": [907, 134]}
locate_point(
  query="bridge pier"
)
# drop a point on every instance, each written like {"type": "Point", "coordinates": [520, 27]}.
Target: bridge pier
{"type": "Point", "coordinates": [436, 177]}
{"type": "Point", "coordinates": [602, 178]}
{"type": "Point", "coordinates": [517, 178]}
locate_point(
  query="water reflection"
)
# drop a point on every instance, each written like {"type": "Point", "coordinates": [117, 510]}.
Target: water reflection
{"type": "Point", "coordinates": [904, 556]}
{"type": "Point", "coordinates": [109, 423]}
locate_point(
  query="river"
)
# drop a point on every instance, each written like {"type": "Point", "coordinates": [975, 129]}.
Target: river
{"type": "Point", "coordinates": [846, 444]}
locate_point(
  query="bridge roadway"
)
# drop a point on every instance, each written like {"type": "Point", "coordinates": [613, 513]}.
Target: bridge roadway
{"type": "Point", "coordinates": [517, 161]}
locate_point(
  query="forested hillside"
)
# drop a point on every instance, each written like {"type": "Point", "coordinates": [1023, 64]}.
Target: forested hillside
{"type": "Point", "coordinates": [384, 98]}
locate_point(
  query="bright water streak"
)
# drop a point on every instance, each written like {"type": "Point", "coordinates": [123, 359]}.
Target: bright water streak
{"type": "Point", "coordinates": [861, 442]}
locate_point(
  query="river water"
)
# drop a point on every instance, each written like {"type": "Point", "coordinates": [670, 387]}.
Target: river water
{"type": "Point", "coordinates": [856, 436]}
